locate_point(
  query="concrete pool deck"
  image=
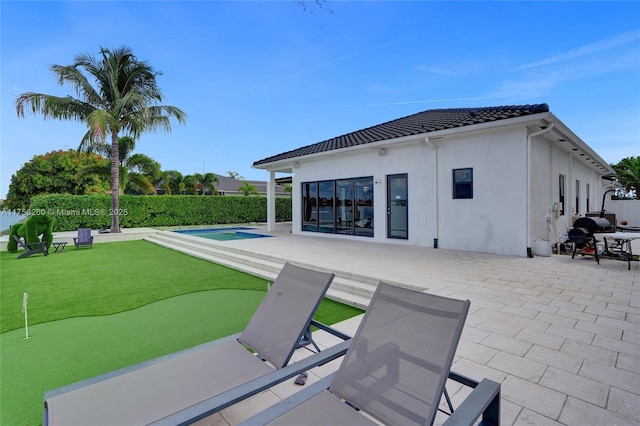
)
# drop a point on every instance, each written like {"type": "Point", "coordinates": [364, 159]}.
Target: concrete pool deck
{"type": "Point", "coordinates": [561, 335]}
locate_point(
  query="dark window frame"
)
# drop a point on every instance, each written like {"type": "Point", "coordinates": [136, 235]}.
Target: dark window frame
{"type": "Point", "coordinates": [561, 192]}
{"type": "Point", "coordinates": [577, 196]}
{"type": "Point", "coordinates": [588, 195]}
{"type": "Point", "coordinates": [360, 198]}
{"type": "Point", "coordinates": [462, 182]}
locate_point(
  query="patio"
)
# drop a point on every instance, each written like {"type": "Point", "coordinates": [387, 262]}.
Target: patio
{"type": "Point", "coordinates": [560, 334]}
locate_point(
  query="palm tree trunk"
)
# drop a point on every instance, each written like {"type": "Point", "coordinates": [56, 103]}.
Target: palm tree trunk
{"type": "Point", "coordinates": [115, 182]}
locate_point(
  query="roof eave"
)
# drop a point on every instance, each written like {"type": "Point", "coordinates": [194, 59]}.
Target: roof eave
{"type": "Point", "coordinates": [288, 165]}
{"type": "Point", "coordinates": [580, 148]}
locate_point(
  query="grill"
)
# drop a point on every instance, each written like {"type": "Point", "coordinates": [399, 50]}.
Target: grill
{"type": "Point", "coordinates": [582, 235]}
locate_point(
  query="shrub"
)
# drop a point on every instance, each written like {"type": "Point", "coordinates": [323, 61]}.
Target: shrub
{"type": "Point", "coordinates": [71, 212]}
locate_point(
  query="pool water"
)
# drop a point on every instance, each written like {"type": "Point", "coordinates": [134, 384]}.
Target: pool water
{"type": "Point", "coordinates": [222, 234]}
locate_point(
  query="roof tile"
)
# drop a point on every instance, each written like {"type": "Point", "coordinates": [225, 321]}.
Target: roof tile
{"type": "Point", "coordinates": [422, 122]}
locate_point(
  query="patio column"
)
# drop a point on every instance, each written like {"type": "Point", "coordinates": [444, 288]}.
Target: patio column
{"type": "Point", "coordinates": [271, 201]}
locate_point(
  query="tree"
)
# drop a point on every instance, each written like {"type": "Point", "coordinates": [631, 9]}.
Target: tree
{"type": "Point", "coordinates": [124, 97]}
{"type": "Point", "coordinates": [55, 172]}
{"type": "Point", "coordinates": [310, 6]}
{"type": "Point", "coordinates": [628, 174]}
{"type": "Point", "coordinates": [234, 175]}
{"type": "Point", "coordinates": [164, 181]}
{"type": "Point", "coordinates": [178, 182]}
{"type": "Point", "coordinates": [248, 189]}
{"type": "Point", "coordinates": [137, 172]}
{"type": "Point", "coordinates": [204, 182]}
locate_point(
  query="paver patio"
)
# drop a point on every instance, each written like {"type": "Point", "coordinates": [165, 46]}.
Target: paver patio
{"type": "Point", "coordinates": [562, 335]}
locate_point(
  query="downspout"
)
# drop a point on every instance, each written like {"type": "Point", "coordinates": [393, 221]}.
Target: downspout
{"type": "Point", "coordinates": [528, 221]}
{"type": "Point", "coordinates": [430, 144]}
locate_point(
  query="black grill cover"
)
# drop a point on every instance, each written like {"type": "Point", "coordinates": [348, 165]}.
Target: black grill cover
{"type": "Point", "coordinates": [592, 224]}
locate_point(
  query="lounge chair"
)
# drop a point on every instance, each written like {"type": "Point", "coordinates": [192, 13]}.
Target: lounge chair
{"type": "Point", "coordinates": [151, 391]}
{"type": "Point", "coordinates": [84, 238]}
{"type": "Point", "coordinates": [394, 371]}
{"type": "Point", "coordinates": [31, 248]}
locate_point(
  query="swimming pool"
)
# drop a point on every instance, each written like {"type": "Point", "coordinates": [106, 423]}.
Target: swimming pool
{"type": "Point", "coordinates": [222, 234]}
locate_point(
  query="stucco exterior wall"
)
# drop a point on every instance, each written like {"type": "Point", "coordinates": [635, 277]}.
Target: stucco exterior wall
{"type": "Point", "coordinates": [495, 219]}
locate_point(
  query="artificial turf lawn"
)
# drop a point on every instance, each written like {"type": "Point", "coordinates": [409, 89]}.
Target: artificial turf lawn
{"type": "Point", "coordinates": [75, 296]}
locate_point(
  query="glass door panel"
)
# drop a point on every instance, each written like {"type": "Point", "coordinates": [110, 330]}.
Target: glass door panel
{"type": "Point", "coordinates": [344, 206]}
{"type": "Point", "coordinates": [397, 208]}
{"type": "Point", "coordinates": [310, 206]}
{"type": "Point", "coordinates": [326, 210]}
{"type": "Point", "coordinates": [363, 213]}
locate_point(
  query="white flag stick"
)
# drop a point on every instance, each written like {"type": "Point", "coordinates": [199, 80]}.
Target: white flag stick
{"type": "Point", "coordinates": [25, 297]}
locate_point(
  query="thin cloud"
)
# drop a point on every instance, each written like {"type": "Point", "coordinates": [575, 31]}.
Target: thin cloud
{"type": "Point", "coordinates": [587, 49]}
{"type": "Point", "coordinates": [535, 83]}
{"type": "Point", "coordinates": [433, 101]}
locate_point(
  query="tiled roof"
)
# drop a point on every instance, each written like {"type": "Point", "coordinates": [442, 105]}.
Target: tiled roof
{"type": "Point", "coordinates": [228, 184]}
{"type": "Point", "coordinates": [422, 122]}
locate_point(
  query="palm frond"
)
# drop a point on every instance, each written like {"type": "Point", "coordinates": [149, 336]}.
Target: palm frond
{"type": "Point", "coordinates": [64, 108]}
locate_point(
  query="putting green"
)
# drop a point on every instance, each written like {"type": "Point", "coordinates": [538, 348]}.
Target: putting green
{"type": "Point", "coordinates": [66, 351]}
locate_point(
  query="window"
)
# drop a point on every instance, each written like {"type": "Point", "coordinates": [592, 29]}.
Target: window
{"type": "Point", "coordinates": [326, 200]}
{"type": "Point", "coordinates": [463, 183]}
{"type": "Point", "coordinates": [561, 194]}
{"type": "Point", "coordinates": [587, 196]}
{"type": "Point", "coordinates": [310, 206]}
{"type": "Point", "coordinates": [577, 196]}
{"type": "Point", "coordinates": [343, 206]}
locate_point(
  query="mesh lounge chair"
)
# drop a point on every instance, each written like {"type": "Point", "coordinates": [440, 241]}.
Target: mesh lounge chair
{"type": "Point", "coordinates": [84, 238]}
{"type": "Point", "coordinates": [150, 391]}
{"type": "Point", "coordinates": [394, 371]}
{"type": "Point", "coordinates": [31, 248]}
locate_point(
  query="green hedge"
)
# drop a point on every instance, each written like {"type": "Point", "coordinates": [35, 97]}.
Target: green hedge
{"type": "Point", "coordinates": [71, 212]}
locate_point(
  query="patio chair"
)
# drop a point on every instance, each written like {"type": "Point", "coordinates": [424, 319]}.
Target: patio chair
{"type": "Point", "coordinates": [151, 391]}
{"type": "Point", "coordinates": [31, 248]}
{"type": "Point", "coordinates": [84, 238]}
{"type": "Point", "coordinates": [394, 371]}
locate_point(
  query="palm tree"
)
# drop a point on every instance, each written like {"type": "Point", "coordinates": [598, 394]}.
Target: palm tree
{"type": "Point", "coordinates": [137, 172]}
{"type": "Point", "coordinates": [178, 182]}
{"type": "Point", "coordinates": [123, 97]}
{"type": "Point", "coordinates": [628, 174]}
{"type": "Point", "coordinates": [234, 175]}
{"type": "Point", "coordinates": [248, 189]}
{"type": "Point", "coordinates": [164, 181]}
{"type": "Point", "coordinates": [202, 182]}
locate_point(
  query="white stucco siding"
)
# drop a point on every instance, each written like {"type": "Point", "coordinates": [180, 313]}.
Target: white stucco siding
{"type": "Point", "coordinates": [413, 159]}
{"type": "Point", "coordinates": [563, 163]}
{"type": "Point", "coordinates": [541, 176]}
{"type": "Point", "coordinates": [494, 220]}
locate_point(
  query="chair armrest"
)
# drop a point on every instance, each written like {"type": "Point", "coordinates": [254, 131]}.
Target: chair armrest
{"type": "Point", "coordinates": [226, 399]}
{"type": "Point", "coordinates": [483, 400]}
{"type": "Point", "coordinates": [36, 245]}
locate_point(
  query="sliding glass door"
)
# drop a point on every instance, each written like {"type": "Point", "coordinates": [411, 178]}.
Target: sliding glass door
{"type": "Point", "coordinates": [343, 206]}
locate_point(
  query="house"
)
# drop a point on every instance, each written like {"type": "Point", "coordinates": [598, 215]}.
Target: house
{"type": "Point", "coordinates": [229, 186]}
{"type": "Point", "coordinates": [489, 179]}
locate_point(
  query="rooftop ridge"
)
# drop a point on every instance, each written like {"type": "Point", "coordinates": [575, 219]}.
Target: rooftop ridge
{"type": "Point", "coordinates": [421, 122]}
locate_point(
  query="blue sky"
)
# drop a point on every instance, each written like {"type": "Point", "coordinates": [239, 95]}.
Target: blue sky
{"type": "Point", "coordinates": [257, 78]}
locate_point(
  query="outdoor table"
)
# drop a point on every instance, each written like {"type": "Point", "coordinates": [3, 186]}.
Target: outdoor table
{"type": "Point", "coordinates": [622, 248]}
{"type": "Point", "coordinates": [59, 247]}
